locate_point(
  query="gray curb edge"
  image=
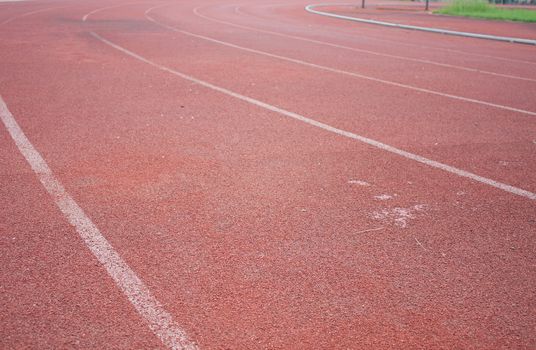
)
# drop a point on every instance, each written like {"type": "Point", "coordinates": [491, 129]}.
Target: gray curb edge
{"type": "Point", "coordinates": [311, 8]}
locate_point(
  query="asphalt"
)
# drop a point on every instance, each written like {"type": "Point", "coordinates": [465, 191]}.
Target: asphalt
{"type": "Point", "coordinates": [252, 229]}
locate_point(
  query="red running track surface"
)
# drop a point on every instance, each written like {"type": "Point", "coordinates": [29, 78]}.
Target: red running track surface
{"type": "Point", "coordinates": [252, 229]}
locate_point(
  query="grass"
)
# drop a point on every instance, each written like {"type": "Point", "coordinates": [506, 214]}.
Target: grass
{"type": "Point", "coordinates": [482, 9]}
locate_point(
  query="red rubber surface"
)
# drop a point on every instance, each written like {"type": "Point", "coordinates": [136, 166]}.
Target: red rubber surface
{"type": "Point", "coordinates": [248, 226]}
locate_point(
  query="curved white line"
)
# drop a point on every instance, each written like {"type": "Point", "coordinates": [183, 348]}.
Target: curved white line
{"type": "Point", "coordinates": [338, 71]}
{"type": "Point", "coordinates": [368, 141]}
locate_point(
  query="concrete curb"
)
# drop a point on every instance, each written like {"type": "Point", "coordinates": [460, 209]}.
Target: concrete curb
{"type": "Point", "coordinates": [311, 8]}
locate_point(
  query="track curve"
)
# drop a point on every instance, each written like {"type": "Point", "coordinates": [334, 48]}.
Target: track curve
{"type": "Point", "coordinates": [251, 229]}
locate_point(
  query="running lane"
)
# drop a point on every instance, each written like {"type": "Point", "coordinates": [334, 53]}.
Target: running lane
{"type": "Point", "coordinates": [254, 230]}
{"type": "Point", "coordinates": [472, 133]}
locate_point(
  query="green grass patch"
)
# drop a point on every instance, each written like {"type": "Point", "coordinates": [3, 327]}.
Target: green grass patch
{"type": "Point", "coordinates": [482, 9]}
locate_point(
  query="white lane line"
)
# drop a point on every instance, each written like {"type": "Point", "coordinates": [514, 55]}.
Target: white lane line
{"type": "Point", "coordinates": [371, 142]}
{"type": "Point", "coordinates": [338, 71]}
{"type": "Point", "coordinates": [102, 9]}
{"type": "Point", "coordinates": [150, 309]}
{"type": "Point", "coordinates": [95, 11]}
{"type": "Point", "coordinates": [383, 39]}
{"type": "Point", "coordinates": [369, 52]}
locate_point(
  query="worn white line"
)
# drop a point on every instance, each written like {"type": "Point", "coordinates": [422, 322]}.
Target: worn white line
{"type": "Point", "coordinates": [95, 11]}
{"type": "Point", "coordinates": [371, 142]}
{"type": "Point", "coordinates": [150, 309]}
{"type": "Point", "coordinates": [354, 49]}
{"type": "Point", "coordinates": [338, 71]}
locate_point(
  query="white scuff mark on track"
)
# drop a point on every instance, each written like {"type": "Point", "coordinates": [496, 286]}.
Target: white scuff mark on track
{"type": "Point", "coordinates": [377, 144]}
{"type": "Point", "coordinates": [339, 71]}
{"type": "Point", "coordinates": [370, 52]}
{"type": "Point", "coordinates": [358, 182]}
{"type": "Point", "coordinates": [369, 230]}
{"type": "Point", "coordinates": [147, 306]}
{"type": "Point", "coordinates": [420, 244]}
{"type": "Point", "coordinates": [398, 216]}
{"type": "Point", "coordinates": [383, 197]}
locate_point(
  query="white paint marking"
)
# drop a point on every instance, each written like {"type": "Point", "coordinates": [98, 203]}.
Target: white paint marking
{"type": "Point", "coordinates": [383, 197]}
{"type": "Point", "coordinates": [150, 309]}
{"type": "Point", "coordinates": [420, 244]}
{"type": "Point", "coordinates": [359, 182]}
{"type": "Point", "coordinates": [92, 12]}
{"type": "Point", "coordinates": [370, 52]}
{"type": "Point", "coordinates": [366, 140]}
{"type": "Point", "coordinates": [339, 71]}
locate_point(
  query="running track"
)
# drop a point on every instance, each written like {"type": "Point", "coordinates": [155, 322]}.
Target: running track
{"type": "Point", "coordinates": [247, 175]}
